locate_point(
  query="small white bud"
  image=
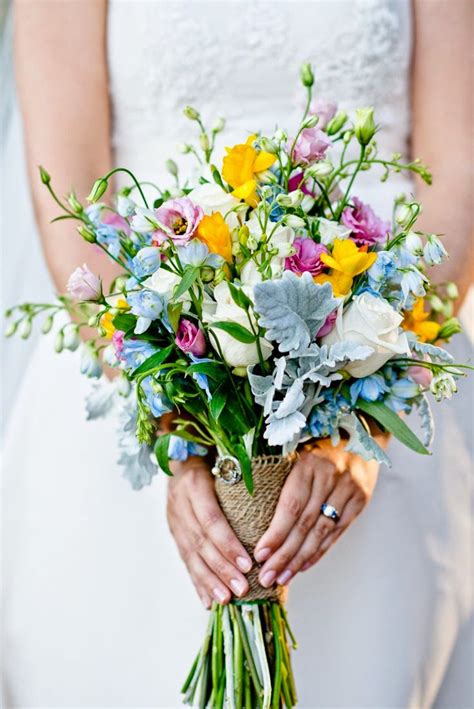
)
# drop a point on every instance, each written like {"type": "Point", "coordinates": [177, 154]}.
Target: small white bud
{"type": "Point", "coordinates": [414, 243]}
{"type": "Point", "coordinates": [172, 167]}
{"type": "Point", "coordinates": [25, 328]}
{"type": "Point", "coordinates": [294, 221]}
{"type": "Point", "coordinates": [280, 136]}
{"type": "Point", "coordinates": [218, 125]}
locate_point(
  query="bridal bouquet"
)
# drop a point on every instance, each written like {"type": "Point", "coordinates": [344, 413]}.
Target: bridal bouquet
{"type": "Point", "coordinates": [266, 305]}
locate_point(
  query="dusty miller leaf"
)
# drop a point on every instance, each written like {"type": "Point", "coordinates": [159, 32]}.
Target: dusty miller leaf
{"type": "Point", "coordinates": [361, 442]}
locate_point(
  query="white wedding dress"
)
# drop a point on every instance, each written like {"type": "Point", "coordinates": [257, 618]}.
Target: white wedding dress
{"type": "Point", "coordinates": [99, 610]}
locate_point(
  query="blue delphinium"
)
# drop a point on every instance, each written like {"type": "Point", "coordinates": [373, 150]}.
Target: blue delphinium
{"type": "Point", "coordinates": [135, 457]}
{"type": "Point", "coordinates": [324, 418]}
{"type": "Point", "coordinates": [108, 236]}
{"type": "Point", "coordinates": [371, 388]}
{"type": "Point", "coordinates": [382, 270]}
{"type": "Point", "coordinates": [201, 379]}
{"type": "Point", "coordinates": [147, 305]}
{"type": "Point", "coordinates": [90, 362]}
{"type": "Point", "coordinates": [135, 352]}
{"type": "Point", "coordinates": [196, 253]}
{"type": "Point", "coordinates": [157, 401]}
{"type": "Point", "coordinates": [146, 261]}
{"type": "Point", "coordinates": [180, 449]}
{"type": "Point", "coordinates": [402, 394]}
{"type": "Point", "coordinates": [434, 252]}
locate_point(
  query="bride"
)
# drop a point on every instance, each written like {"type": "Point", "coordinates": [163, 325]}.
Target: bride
{"type": "Point", "coordinates": [100, 610]}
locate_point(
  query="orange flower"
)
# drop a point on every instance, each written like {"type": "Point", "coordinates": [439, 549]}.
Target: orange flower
{"type": "Point", "coordinates": [417, 321]}
{"type": "Point", "coordinates": [240, 167]}
{"type": "Point", "coordinates": [214, 232]}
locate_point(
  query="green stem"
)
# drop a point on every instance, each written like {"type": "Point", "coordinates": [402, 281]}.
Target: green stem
{"type": "Point", "coordinates": [128, 172]}
{"type": "Point", "coordinates": [247, 651]}
{"type": "Point", "coordinates": [277, 673]}
{"type": "Point", "coordinates": [351, 182]}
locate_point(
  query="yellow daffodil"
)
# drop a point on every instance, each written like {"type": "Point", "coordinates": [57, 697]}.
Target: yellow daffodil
{"type": "Point", "coordinates": [106, 319]}
{"type": "Point", "coordinates": [240, 167]}
{"type": "Point", "coordinates": [346, 262]}
{"type": "Point", "coordinates": [417, 321]}
{"type": "Point", "coordinates": [214, 232]}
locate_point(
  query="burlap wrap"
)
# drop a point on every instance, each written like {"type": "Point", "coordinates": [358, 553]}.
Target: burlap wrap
{"type": "Point", "coordinates": [250, 515]}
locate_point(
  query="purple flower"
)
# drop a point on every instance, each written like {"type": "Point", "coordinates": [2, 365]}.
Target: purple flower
{"type": "Point", "coordinates": [325, 110]}
{"type": "Point", "coordinates": [310, 147]}
{"type": "Point", "coordinates": [296, 182]}
{"type": "Point", "coordinates": [190, 338]}
{"type": "Point", "coordinates": [328, 325]}
{"type": "Point", "coordinates": [180, 217]}
{"type": "Point", "coordinates": [307, 257]}
{"type": "Point", "coordinates": [84, 285]}
{"type": "Point", "coordinates": [365, 226]}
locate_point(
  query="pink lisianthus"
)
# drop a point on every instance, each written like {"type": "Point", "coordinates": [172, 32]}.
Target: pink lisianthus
{"type": "Point", "coordinates": [190, 338]}
{"type": "Point", "coordinates": [307, 257]}
{"type": "Point", "coordinates": [324, 110]}
{"type": "Point", "coordinates": [366, 227]}
{"type": "Point", "coordinates": [84, 285]}
{"type": "Point", "coordinates": [117, 341]}
{"type": "Point", "coordinates": [181, 217]}
{"type": "Point", "coordinates": [328, 325]}
{"type": "Point", "coordinates": [296, 183]}
{"type": "Point", "coordinates": [115, 220]}
{"type": "Point", "coordinates": [420, 375]}
{"type": "Point", "coordinates": [311, 146]}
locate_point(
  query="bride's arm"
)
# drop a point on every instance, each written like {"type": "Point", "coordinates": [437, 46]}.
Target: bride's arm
{"type": "Point", "coordinates": [442, 128]}
{"type": "Point", "coordinates": [61, 74]}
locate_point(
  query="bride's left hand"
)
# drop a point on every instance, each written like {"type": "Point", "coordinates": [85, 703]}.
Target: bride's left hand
{"type": "Point", "coordinates": [299, 534]}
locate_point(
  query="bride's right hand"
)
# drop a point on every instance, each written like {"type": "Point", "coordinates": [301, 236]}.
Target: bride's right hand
{"type": "Point", "coordinates": [213, 555]}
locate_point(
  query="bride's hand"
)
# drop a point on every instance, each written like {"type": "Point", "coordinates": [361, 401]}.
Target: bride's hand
{"type": "Point", "coordinates": [299, 534]}
{"type": "Point", "coordinates": [212, 553]}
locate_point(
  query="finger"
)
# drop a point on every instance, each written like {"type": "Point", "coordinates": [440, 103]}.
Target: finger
{"type": "Point", "coordinates": [204, 578]}
{"type": "Point", "coordinates": [293, 499]}
{"type": "Point", "coordinates": [214, 524]}
{"type": "Point", "coordinates": [278, 562]}
{"type": "Point", "coordinates": [223, 569]}
{"type": "Point", "coordinates": [323, 527]}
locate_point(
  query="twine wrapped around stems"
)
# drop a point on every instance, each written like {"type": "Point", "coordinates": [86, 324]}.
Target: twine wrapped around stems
{"type": "Point", "coordinates": [250, 515]}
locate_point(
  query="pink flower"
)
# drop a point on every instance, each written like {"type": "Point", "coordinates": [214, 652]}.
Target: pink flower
{"type": "Point", "coordinates": [296, 182]}
{"type": "Point", "coordinates": [328, 325]}
{"type": "Point", "coordinates": [181, 217]}
{"type": "Point", "coordinates": [84, 285]}
{"type": "Point", "coordinates": [307, 257]}
{"type": "Point", "coordinates": [325, 110]}
{"type": "Point", "coordinates": [190, 338]}
{"type": "Point", "coordinates": [364, 224]}
{"type": "Point", "coordinates": [115, 220]}
{"type": "Point", "coordinates": [420, 375]}
{"type": "Point", "coordinates": [117, 341]}
{"type": "Point", "coordinates": [310, 147]}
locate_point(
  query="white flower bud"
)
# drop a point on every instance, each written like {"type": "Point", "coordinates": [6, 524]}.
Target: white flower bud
{"type": "Point", "coordinates": [47, 324]}
{"type": "Point", "coordinates": [218, 125]}
{"type": "Point", "coordinates": [123, 385]}
{"type": "Point", "coordinates": [58, 343]}
{"type": "Point", "coordinates": [364, 125]}
{"type": "Point", "coordinates": [125, 206]}
{"type": "Point", "coordinates": [71, 339]}
{"type": "Point", "coordinates": [414, 243]}
{"type": "Point", "coordinates": [406, 213]}
{"type": "Point", "coordinates": [204, 141]}
{"type": "Point", "coordinates": [25, 328]}
{"type": "Point", "coordinates": [319, 170]}
{"type": "Point", "coordinates": [191, 113]}
{"type": "Point", "coordinates": [436, 303]}
{"type": "Point", "coordinates": [443, 386]}
{"type": "Point", "coordinates": [172, 167]}
{"type": "Point", "coordinates": [268, 145]}
{"type": "Point", "coordinates": [184, 148]}
{"type": "Point", "coordinates": [294, 221]}
{"type": "Point", "coordinates": [280, 136]}
{"type": "Point", "coordinates": [311, 122]}
{"type": "Point", "coordinates": [452, 290]}
{"type": "Point", "coordinates": [11, 329]}
{"type": "Point", "coordinates": [307, 203]}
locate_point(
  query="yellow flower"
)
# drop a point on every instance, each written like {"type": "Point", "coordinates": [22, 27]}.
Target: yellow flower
{"type": "Point", "coordinates": [346, 262]}
{"type": "Point", "coordinates": [106, 319]}
{"type": "Point", "coordinates": [214, 232]}
{"type": "Point", "coordinates": [240, 166]}
{"type": "Point", "coordinates": [417, 321]}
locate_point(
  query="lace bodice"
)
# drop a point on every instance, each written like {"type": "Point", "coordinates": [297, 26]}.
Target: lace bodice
{"type": "Point", "coordinates": [240, 58]}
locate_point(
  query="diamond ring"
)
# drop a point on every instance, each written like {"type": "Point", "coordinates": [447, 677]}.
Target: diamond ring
{"type": "Point", "coordinates": [330, 511]}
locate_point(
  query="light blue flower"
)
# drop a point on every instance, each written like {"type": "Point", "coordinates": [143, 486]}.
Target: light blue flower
{"type": "Point", "coordinates": [146, 261]}
{"type": "Point", "coordinates": [382, 271]}
{"type": "Point", "coordinates": [135, 457]}
{"type": "Point", "coordinates": [108, 236]}
{"type": "Point", "coordinates": [368, 388]}
{"type": "Point", "coordinates": [94, 212]}
{"type": "Point", "coordinates": [135, 352]}
{"type": "Point", "coordinates": [201, 379]}
{"type": "Point", "coordinates": [90, 363]}
{"type": "Point", "coordinates": [180, 449]}
{"type": "Point", "coordinates": [147, 305]}
{"type": "Point", "coordinates": [403, 392]}
{"type": "Point", "coordinates": [413, 282]}
{"type": "Point", "coordinates": [324, 418]}
{"type": "Point", "coordinates": [434, 251]}
{"type": "Point", "coordinates": [196, 253]}
{"type": "Point", "coordinates": [157, 401]}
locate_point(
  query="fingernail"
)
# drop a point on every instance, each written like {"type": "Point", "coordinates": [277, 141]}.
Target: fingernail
{"type": "Point", "coordinates": [244, 563]}
{"type": "Point", "coordinates": [206, 602]}
{"type": "Point", "coordinates": [219, 595]}
{"type": "Point", "coordinates": [237, 586]}
{"type": "Point", "coordinates": [284, 577]}
{"type": "Point", "coordinates": [262, 554]}
{"type": "Point", "coordinates": [306, 566]}
{"type": "Point", "coordinates": [268, 578]}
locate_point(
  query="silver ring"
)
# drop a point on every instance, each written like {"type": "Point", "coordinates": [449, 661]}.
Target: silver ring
{"type": "Point", "coordinates": [330, 512]}
{"type": "Point", "coordinates": [227, 468]}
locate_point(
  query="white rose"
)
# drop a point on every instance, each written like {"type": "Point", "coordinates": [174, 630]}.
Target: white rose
{"type": "Point", "coordinates": [329, 230]}
{"type": "Point", "coordinates": [370, 321]}
{"type": "Point", "coordinates": [212, 198]}
{"type": "Point", "coordinates": [250, 275]}
{"type": "Point", "coordinates": [235, 353]}
{"type": "Point", "coordinates": [164, 282]}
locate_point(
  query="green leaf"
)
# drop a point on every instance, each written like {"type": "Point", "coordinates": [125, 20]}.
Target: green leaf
{"type": "Point", "coordinates": [239, 297]}
{"type": "Point", "coordinates": [189, 276]}
{"type": "Point", "coordinates": [174, 313]}
{"type": "Point", "coordinates": [392, 423]}
{"type": "Point", "coordinates": [217, 176]}
{"type": "Point", "coordinates": [246, 465]}
{"type": "Point", "coordinates": [215, 370]}
{"type": "Point", "coordinates": [238, 332]}
{"type": "Point", "coordinates": [154, 361]}
{"type": "Point", "coordinates": [218, 401]}
{"type": "Point", "coordinates": [161, 452]}
{"type": "Point", "coordinates": [124, 321]}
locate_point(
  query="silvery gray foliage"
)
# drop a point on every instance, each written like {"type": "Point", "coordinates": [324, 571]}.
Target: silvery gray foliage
{"type": "Point", "coordinates": [437, 354]}
{"type": "Point", "coordinates": [360, 442]}
{"type": "Point", "coordinates": [427, 420]}
{"type": "Point", "coordinates": [292, 390]}
{"type": "Point", "coordinates": [293, 309]}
